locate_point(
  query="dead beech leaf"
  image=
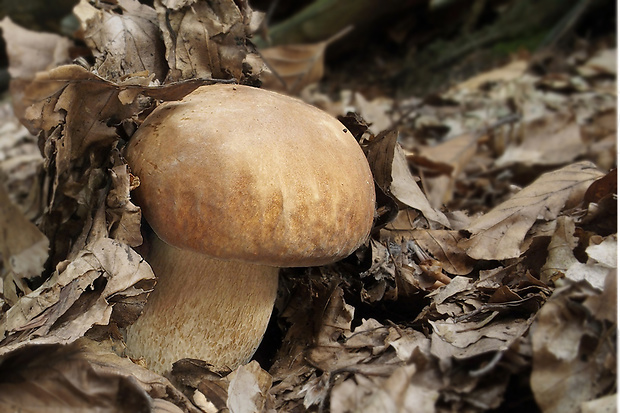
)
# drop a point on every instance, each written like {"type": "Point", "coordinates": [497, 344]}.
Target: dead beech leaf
{"type": "Point", "coordinates": [61, 95]}
{"type": "Point", "coordinates": [602, 187]}
{"type": "Point", "coordinates": [211, 382]}
{"type": "Point", "coordinates": [376, 367]}
{"type": "Point", "coordinates": [499, 233]}
{"type": "Point", "coordinates": [604, 306]}
{"type": "Point", "coordinates": [30, 52]}
{"type": "Point", "coordinates": [394, 395]}
{"type": "Point", "coordinates": [561, 256]}
{"type": "Point", "coordinates": [553, 139]}
{"type": "Point", "coordinates": [216, 29]}
{"type": "Point", "coordinates": [248, 389]}
{"type": "Point", "coordinates": [337, 346]}
{"type": "Point", "coordinates": [125, 39]}
{"type": "Point", "coordinates": [75, 298]}
{"type": "Point", "coordinates": [604, 62]}
{"type": "Point", "coordinates": [605, 253]}
{"type": "Point", "coordinates": [511, 71]}
{"type": "Point", "coordinates": [123, 216]}
{"type": "Point", "coordinates": [606, 404]}
{"type": "Point", "coordinates": [391, 172]}
{"type": "Point", "coordinates": [400, 395]}
{"type": "Point", "coordinates": [23, 248]}
{"type": "Point", "coordinates": [20, 163]}
{"type": "Point", "coordinates": [377, 112]}
{"type": "Point", "coordinates": [439, 245]}
{"type": "Point", "coordinates": [370, 334]}
{"type": "Point", "coordinates": [86, 377]}
{"type": "Point", "coordinates": [78, 114]}
{"type": "Point", "coordinates": [449, 157]}
{"type": "Point", "coordinates": [293, 67]}
{"type": "Point", "coordinates": [337, 318]}
{"type": "Point", "coordinates": [406, 346]}
{"type": "Point", "coordinates": [442, 245]}
{"type": "Point", "coordinates": [382, 272]}
{"type": "Point", "coordinates": [463, 340]}
{"type": "Point", "coordinates": [602, 263]}
{"type": "Point", "coordinates": [572, 361]}
{"type": "Point", "coordinates": [177, 4]}
{"type": "Point", "coordinates": [457, 285]}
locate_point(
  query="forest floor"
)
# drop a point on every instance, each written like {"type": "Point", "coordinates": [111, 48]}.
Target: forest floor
{"type": "Point", "coordinates": [488, 283]}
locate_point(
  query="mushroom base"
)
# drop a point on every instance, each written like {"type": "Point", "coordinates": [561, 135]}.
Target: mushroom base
{"type": "Point", "coordinates": [202, 308]}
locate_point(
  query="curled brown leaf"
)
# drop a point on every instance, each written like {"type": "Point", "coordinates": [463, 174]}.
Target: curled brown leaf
{"type": "Point", "coordinates": [499, 233]}
{"type": "Point", "coordinates": [125, 38]}
{"type": "Point", "coordinates": [75, 298]}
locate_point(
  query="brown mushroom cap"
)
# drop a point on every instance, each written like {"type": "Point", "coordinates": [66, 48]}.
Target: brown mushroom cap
{"type": "Point", "coordinates": [240, 173]}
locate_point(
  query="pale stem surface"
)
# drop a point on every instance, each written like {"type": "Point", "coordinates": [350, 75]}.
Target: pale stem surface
{"type": "Point", "coordinates": [202, 308]}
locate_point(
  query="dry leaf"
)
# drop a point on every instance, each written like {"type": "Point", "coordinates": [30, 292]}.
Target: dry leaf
{"type": "Point", "coordinates": [442, 245]}
{"type": "Point", "coordinates": [457, 285]}
{"type": "Point", "coordinates": [499, 233]}
{"type": "Point", "coordinates": [449, 157]}
{"type": "Point", "coordinates": [85, 377]}
{"type": "Point", "coordinates": [470, 339]}
{"type": "Point", "coordinates": [604, 307]}
{"type": "Point", "coordinates": [394, 395]}
{"type": "Point", "coordinates": [602, 187]}
{"type": "Point", "coordinates": [561, 247]}
{"type": "Point", "coordinates": [554, 139]}
{"type": "Point", "coordinates": [207, 386]}
{"type": "Point", "coordinates": [124, 217]}
{"type": "Point", "coordinates": [573, 362]}
{"type": "Point", "coordinates": [511, 71]}
{"type": "Point", "coordinates": [23, 249]}
{"type": "Point", "coordinates": [293, 67]}
{"type": "Point", "coordinates": [391, 172]}
{"type": "Point", "coordinates": [602, 261]}
{"type": "Point", "coordinates": [177, 4]}
{"type": "Point", "coordinates": [62, 94]}
{"type": "Point", "coordinates": [80, 114]}
{"type": "Point", "coordinates": [382, 272]}
{"type": "Point", "coordinates": [248, 388]}
{"type": "Point", "coordinates": [337, 318]}
{"type": "Point", "coordinates": [76, 297]}
{"type": "Point", "coordinates": [218, 30]}
{"type": "Point", "coordinates": [377, 112]}
{"type": "Point", "coordinates": [406, 346]}
{"type": "Point", "coordinates": [362, 368]}
{"type": "Point", "coordinates": [30, 52]}
{"type": "Point", "coordinates": [20, 162]}
{"type": "Point", "coordinates": [607, 404]}
{"type": "Point", "coordinates": [350, 343]}
{"type": "Point", "coordinates": [604, 62]}
{"type": "Point", "coordinates": [439, 245]}
{"type": "Point", "coordinates": [126, 38]}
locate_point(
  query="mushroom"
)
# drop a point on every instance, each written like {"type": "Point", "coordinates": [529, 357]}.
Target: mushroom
{"type": "Point", "coordinates": [237, 182]}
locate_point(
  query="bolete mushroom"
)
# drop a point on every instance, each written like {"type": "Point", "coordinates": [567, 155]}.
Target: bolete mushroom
{"type": "Point", "coordinates": [236, 182]}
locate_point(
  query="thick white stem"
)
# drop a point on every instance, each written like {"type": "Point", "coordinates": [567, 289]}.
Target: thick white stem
{"type": "Point", "coordinates": [202, 308]}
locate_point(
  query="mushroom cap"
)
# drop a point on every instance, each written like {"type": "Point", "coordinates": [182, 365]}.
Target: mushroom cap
{"type": "Point", "coordinates": [240, 173]}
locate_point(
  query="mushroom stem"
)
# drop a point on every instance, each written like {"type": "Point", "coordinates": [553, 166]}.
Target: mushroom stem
{"type": "Point", "coordinates": [222, 322]}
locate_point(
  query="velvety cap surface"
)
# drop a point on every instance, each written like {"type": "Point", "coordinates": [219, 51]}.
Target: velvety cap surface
{"type": "Point", "coordinates": [241, 173]}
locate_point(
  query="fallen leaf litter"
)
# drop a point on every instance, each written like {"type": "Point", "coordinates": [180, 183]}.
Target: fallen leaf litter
{"type": "Point", "coordinates": [494, 260]}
